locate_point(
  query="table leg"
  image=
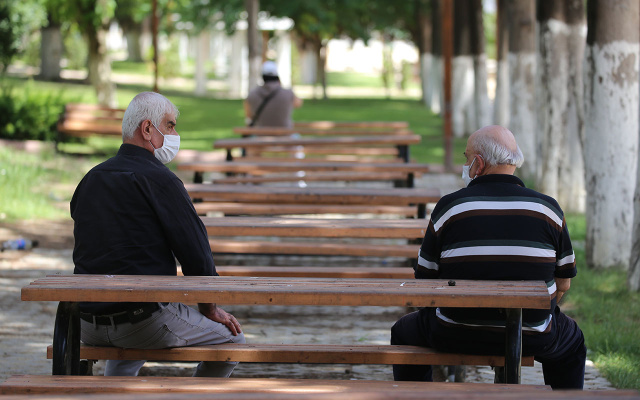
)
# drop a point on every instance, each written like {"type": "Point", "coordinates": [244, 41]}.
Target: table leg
{"type": "Point", "coordinates": [513, 345]}
{"type": "Point", "coordinates": [66, 340]}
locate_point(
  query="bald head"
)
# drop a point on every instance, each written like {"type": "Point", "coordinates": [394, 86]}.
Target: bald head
{"type": "Point", "coordinates": [499, 153]}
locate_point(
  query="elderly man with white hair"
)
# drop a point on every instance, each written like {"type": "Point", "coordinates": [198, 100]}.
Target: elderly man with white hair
{"type": "Point", "coordinates": [496, 229]}
{"type": "Point", "coordinates": [133, 216]}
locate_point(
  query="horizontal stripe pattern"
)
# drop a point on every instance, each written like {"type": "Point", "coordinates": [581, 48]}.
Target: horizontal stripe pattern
{"type": "Point", "coordinates": [473, 204]}
{"type": "Point", "coordinates": [513, 233]}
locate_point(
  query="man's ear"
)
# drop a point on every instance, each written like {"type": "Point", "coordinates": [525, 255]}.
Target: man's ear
{"type": "Point", "coordinates": [481, 166]}
{"type": "Point", "coordinates": [145, 129]}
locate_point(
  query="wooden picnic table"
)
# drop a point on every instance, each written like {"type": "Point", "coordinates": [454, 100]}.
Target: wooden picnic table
{"type": "Point", "coordinates": [401, 142]}
{"type": "Point", "coordinates": [71, 289]}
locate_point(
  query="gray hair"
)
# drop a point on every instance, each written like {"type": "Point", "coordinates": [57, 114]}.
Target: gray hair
{"type": "Point", "coordinates": [496, 153]}
{"type": "Point", "coordinates": [146, 105]}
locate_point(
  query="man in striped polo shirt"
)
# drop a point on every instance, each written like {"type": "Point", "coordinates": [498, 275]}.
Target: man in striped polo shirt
{"type": "Point", "coordinates": [496, 229]}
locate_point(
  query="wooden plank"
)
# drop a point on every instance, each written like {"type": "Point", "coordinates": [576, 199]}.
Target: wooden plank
{"type": "Point", "coordinates": [332, 141]}
{"type": "Point", "coordinates": [314, 195]}
{"type": "Point", "coordinates": [317, 272]}
{"type": "Point", "coordinates": [311, 158]}
{"type": "Point", "coordinates": [313, 177]}
{"type": "Point", "coordinates": [168, 387]}
{"type": "Point", "coordinates": [245, 208]}
{"type": "Point", "coordinates": [316, 227]}
{"type": "Point", "coordinates": [295, 353]}
{"type": "Point", "coordinates": [221, 246]}
{"type": "Point", "coordinates": [338, 131]}
{"type": "Point", "coordinates": [289, 291]}
{"type": "Point", "coordinates": [300, 165]}
{"type": "Point", "coordinates": [351, 124]}
{"type": "Point", "coordinates": [363, 151]}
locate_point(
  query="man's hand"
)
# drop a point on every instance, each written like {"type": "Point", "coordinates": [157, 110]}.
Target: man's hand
{"type": "Point", "coordinates": [217, 314]}
{"type": "Point", "coordinates": [562, 286]}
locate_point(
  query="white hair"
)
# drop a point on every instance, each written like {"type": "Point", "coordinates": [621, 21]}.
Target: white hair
{"type": "Point", "coordinates": [146, 105]}
{"type": "Point", "coordinates": [496, 153]}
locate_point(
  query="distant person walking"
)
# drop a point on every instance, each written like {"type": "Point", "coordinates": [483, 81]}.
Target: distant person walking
{"type": "Point", "coordinates": [271, 104]}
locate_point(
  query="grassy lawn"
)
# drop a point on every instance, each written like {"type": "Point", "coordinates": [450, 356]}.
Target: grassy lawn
{"type": "Point", "coordinates": [40, 186]}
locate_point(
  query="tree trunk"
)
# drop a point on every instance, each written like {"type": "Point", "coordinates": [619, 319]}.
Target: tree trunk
{"type": "Point", "coordinates": [434, 86]}
{"type": "Point", "coordinates": [463, 74]}
{"type": "Point", "coordinates": [501, 99]}
{"type": "Point", "coordinates": [423, 39]}
{"type": "Point", "coordinates": [611, 129]}
{"type": "Point", "coordinates": [321, 74]}
{"type": "Point", "coordinates": [522, 66]}
{"type": "Point", "coordinates": [480, 95]}
{"type": "Point", "coordinates": [100, 66]}
{"type": "Point", "coordinates": [634, 263]}
{"type": "Point", "coordinates": [571, 184]}
{"type": "Point", "coordinates": [255, 57]}
{"type": "Point", "coordinates": [201, 58]}
{"type": "Point", "coordinates": [133, 35]}
{"type": "Point", "coordinates": [50, 51]}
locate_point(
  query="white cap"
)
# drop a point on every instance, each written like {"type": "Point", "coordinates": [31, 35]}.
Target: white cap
{"type": "Point", "coordinates": [269, 68]}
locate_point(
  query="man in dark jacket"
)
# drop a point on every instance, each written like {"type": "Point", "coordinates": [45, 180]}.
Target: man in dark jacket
{"type": "Point", "coordinates": [133, 216]}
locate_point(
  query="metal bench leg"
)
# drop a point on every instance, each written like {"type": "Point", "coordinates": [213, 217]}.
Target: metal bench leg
{"type": "Point", "coordinates": [66, 340]}
{"type": "Point", "coordinates": [513, 345]}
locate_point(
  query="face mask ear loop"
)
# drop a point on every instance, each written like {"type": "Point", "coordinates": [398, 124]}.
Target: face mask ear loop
{"type": "Point", "coordinates": [154, 125]}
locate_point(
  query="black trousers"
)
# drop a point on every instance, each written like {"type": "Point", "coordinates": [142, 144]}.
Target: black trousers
{"type": "Point", "coordinates": [561, 352]}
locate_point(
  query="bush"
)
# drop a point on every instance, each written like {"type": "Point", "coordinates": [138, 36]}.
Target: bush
{"type": "Point", "coordinates": [29, 113]}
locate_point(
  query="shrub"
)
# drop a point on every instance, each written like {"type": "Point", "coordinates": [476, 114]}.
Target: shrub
{"type": "Point", "coordinates": [29, 113]}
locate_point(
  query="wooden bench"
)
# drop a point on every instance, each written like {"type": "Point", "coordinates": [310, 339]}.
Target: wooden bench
{"type": "Point", "coordinates": [352, 124]}
{"type": "Point", "coordinates": [309, 131]}
{"type": "Point", "coordinates": [156, 387]}
{"type": "Point", "coordinates": [272, 200]}
{"type": "Point", "coordinates": [296, 170]}
{"type": "Point", "coordinates": [70, 289]}
{"type": "Point", "coordinates": [346, 148]}
{"type": "Point", "coordinates": [411, 230]}
{"type": "Point", "coordinates": [83, 120]}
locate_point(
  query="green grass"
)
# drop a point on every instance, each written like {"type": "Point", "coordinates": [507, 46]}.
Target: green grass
{"type": "Point", "coordinates": [38, 185]}
{"type": "Point", "coordinates": [608, 314]}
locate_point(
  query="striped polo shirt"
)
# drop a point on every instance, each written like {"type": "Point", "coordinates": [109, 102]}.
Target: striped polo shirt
{"type": "Point", "coordinates": [497, 229]}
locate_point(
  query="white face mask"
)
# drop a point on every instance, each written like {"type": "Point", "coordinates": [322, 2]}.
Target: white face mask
{"type": "Point", "coordinates": [465, 173]}
{"type": "Point", "coordinates": [169, 148]}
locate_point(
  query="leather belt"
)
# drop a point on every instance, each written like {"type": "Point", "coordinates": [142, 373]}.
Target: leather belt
{"type": "Point", "coordinates": [133, 315]}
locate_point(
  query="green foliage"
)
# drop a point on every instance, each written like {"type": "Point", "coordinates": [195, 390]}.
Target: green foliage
{"type": "Point", "coordinates": [29, 113]}
{"type": "Point", "coordinates": [75, 48]}
{"type": "Point", "coordinates": [17, 19]}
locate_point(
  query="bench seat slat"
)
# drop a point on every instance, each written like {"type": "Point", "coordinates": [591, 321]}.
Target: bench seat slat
{"type": "Point", "coordinates": [312, 177]}
{"type": "Point", "coordinates": [314, 227]}
{"type": "Point", "coordinates": [284, 209]}
{"type": "Point", "coordinates": [316, 272]}
{"type": "Point", "coordinates": [261, 142]}
{"type": "Point", "coordinates": [219, 246]}
{"type": "Point", "coordinates": [294, 165]}
{"type": "Point", "coordinates": [315, 195]}
{"type": "Point", "coordinates": [295, 353]}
